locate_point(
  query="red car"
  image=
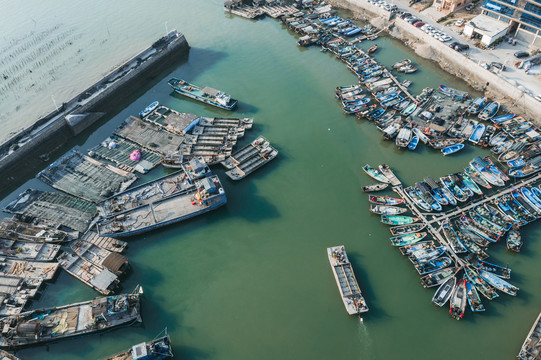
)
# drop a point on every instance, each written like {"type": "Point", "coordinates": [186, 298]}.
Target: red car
{"type": "Point", "coordinates": [419, 24]}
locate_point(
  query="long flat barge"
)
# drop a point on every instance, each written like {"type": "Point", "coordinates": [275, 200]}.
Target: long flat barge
{"type": "Point", "coordinates": [52, 324]}
{"type": "Point", "coordinates": [346, 281]}
{"type": "Point", "coordinates": [249, 158]}
{"type": "Point", "coordinates": [207, 194]}
{"type": "Point", "coordinates": [206, 95]}
{"type": "Point", "coordinates": [531, 349]}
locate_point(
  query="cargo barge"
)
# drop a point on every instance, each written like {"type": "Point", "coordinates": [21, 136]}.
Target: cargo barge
{"type": "Point", "coordinates": [207, 94]}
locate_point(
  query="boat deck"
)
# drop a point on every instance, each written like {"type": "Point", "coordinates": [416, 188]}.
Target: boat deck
{"type": "Point", "coordinates": [171, 120]}
{"type": "Point", "coordinates": [531, 349]}
{"type": "Point", "coordinates": [112, 261]}
{"type": "Point", "coordinates": [15, 294]}
{"type": "Point", "coordinates": [104, 242]}
{"type": "Point", "coordinates": [58, 208]}
{"type": "Point", "coordinates": [24, 250]}
{"type": "Point", "coordinates": [95, 276]}
{"type": "Point", "coordinates": [86, 178]}
{"type": "Point", "coordinates": [14, 229]}
{"type": "Point", "coordinates": [249, 158]}
{"type": "Point", "coordinates": [148, 135]}
{"type": "Point", "coordinates": [245, 123]}
{"type": "Point", "coordinates": [119, 154]}
{"type": "Point", "coordinates": [28, 269]}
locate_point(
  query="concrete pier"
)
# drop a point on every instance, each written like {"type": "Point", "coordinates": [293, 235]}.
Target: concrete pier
{"type": "Point", "coordinates": [21, 154]}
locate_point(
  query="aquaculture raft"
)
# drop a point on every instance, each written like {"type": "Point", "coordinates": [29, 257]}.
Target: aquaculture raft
{"type": "Point", "coordinates": [249, 158]}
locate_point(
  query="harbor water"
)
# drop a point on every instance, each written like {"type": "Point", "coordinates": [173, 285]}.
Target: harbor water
{"type": "Point", "coordinates": [252, 280]}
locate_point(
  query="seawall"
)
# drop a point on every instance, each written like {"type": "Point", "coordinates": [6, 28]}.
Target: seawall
{"type": "Point", "coordinates": [450, 60]}
{"type": "Point", "coordinates": [20, 154]}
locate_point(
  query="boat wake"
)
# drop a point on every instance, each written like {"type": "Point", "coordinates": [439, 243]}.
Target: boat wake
{"type": "Point", "coordinates": [365, 339]}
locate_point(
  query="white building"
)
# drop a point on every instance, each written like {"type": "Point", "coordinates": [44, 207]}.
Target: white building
{"type": "Point", "coordinates": [485, 28]}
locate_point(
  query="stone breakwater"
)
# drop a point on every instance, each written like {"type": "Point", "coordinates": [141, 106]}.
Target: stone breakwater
{"type": "Point", "coordinates": [26, 150]}
{"type": "Point", "coordinates": [451, 61]}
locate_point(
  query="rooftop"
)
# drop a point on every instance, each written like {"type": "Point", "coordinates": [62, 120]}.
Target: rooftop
{"type": "Point", "coordinates": [486, 25]}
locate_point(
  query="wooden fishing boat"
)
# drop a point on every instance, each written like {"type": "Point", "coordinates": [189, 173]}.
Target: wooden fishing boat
{"type": "Point", "coordinates": [407, 250]}
{"type": "Point", "coordinates": [429, 266]}
{"type": "Point", "coordinates": [477, 133]}
{"type": "Point", "coordinates": [374, 187]}
{"type": "Point", "coordinates": [389, 174]}
{"type": "Point", "coordinates": [439, 143]}
{"type": "Point", "coordinates": [468, 181]}
{"type": "Point", "coordinates": [476, 105]}
{"type": "Point", "coordinates": [500, 271]}
{"type": "Point", "coordinates": [409, 109]}
{"type": "Point", "coordinates": [458, 301]}
{"type": "Point", "coordinates": [452, 237]}
{"type": "Point", "coordinates": [372, 48]}
{"type": "Point", "coordinates": [438, 277]}
{"type": "Point", "coordinates": [413, 143]}
{"type": "Point", "coordinates": [453, 92]}
{"type": "Point", "coordinates": [481, 284]}
{"type": "Point", "coordinates": [444, 292]}
{"type": "Point", "coordinates": [476, 305]}
{"type": "Point", "coordinates": [495, 170]}
{"type": "Point", "coordinates": [375, 174]}
{"type": "Point", "coordinates": [60, 322]}
{"type": "Point", "coordinates": [482, 167]}
{"type": "Point", "coordinates": [476, 176]}
{"type": "Point", "coordinates": [384, 200]}
{"type": "Point", "coordinates": [530, 349]}
{"type": "Point", "coordinates": [489, 111]}
{"type": "Point", "coordinates": [149, 109]}
{"type": "Point", "coordinates": [499, 283]}
{"type": "Point", "coordinates": [346, 281]}
{"type": "Point", "coordinates": [452, 149]}
{"type": "Point", "coordinates": [416, 199]}
{"type": "Point", "coordinates": [422, 137]}
{"type": "Point", "coordinates": [514, 240]}
{"type": "Point", "coordinates": [156, 349]}
{"type": "Point", "coordinates": [398, 219]}
{"type": "Point", "coordinates": [407, 239]}
{"type": "Point", "coordinates": [502, 118]}
{"type": "Point", "coordinates": [406, 229]}
{"type": "Point", "coordinates": [423, 256]}
{"type": "Point", "coordinates": [401, 63]}
{"type": "Point", "coordinates": [386, 210]}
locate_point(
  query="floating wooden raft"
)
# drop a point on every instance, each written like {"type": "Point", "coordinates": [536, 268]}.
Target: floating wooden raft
{"type": "Point", "coordinates": [249, 158]}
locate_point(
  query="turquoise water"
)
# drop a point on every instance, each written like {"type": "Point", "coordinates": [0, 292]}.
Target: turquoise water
{"type": "Point", "coordinates": [252, 280]}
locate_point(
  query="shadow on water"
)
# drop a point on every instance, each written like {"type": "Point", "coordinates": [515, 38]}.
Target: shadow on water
{"type": "Point", "coordinates": [187, 352]}
{"type": "Point", "coordinates": [375, 312]}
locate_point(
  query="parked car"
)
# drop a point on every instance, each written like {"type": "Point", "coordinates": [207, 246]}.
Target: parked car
{"type": "Point", "coordinates": [453, 44]}
{"type": "Point", "coordinates": [462, 47]}
{"type": "Point", "coordinates": [538, 97]}
{"type": "Point", "coordinates": [521, 54]}
{"type": "Point", "coordinates": [411, 19]}
{"type": "Point", "coordinates": [418, 24]}
{"type": "Point", "coordinates": [405, 15]}
{"type": "Point", "coordinates": [459, 22]}
{"type": "Point", "coordinates": [497, 66]}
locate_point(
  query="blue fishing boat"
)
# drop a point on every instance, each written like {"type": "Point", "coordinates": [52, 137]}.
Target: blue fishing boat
{"type": "Point", "coordinates": [517, 163]}
{"type": "Point", "coordinates": [514, 240]}
{"type": "Point", "coordinates": [409, 109]}
{"type": "Point", "coordinates": [355, 31]}
{"type": "Point", "coordinates": [500, 271]}
{"type": "Point", "coordinates": [451, 236]}
{"type": "Point", "coordinates": [473, 296]}
{"type": "Point", "coordinates": [452, 149]}
{"type": "Point", "coordinates": [427, 267]}
{"type": "Point", "coordinates": [536, 192]}
{"type": "Point", "coordinates": [477, 105]}
{"type": "Point", "coordinates": [489, 111]}
{"type": "Point", "coordinates": [502, 118]}
{"type": "Point", "coordinates": [353, 109]}
{"type": "Point", "coordinates": [477, 133]}
{"type": "Point", "coordinates": [482, 167]}
{"type": "Point", "coordinates": [376, 113]}
{"type": "Point", "coordinates": [531, 198]}
{"type": "Point", "coordinates": [356, 102]}
{"type": "Point", "coordinates": [499, 283]}
{"type": "Point", "coordinates": [523, 203]}
{"type": "Point", "coordinates": [149, 109]}
{"type": "Point", "coordinates": [413, 143]}
{"type": "Point", "coordinates": [453, 92]}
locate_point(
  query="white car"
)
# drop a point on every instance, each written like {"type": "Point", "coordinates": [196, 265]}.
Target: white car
{"type": "Point", "coordinates": [538, 97]}
{"type": "Point", "coordinates": [459, 22]}
{"type": "Point", "coordinates": [447, 38]}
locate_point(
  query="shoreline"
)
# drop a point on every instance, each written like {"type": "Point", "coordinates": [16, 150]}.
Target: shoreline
{"type": "Point", "coordinates": [23, 152]}
{"type": "Point", "coordinates": [448, 59]}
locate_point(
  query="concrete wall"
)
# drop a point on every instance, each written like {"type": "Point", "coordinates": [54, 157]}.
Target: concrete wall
{"type": "Point", "coordinates": [21, 154]}
{"type": "Point", "coordinates": [450, 60]}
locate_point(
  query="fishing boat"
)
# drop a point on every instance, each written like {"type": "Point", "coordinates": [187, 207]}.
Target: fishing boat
{"type": "Point", "coordinates": [482, 167]}
{"type": "Point", "coordinates": [477, 133]}
{"type": "Point", "coordinates": [389, 174]}
{"type": "Point", "coordinates": [489, 111]}
{"type": "Point", "coordinates": [407, 250]}
{"type": "Point", "coordinates": [374, 187]}
{"type": "Point", "coordinates": [429, 266]}
{"type": "Point", "coordinates": [499, 283]}
{"type": "Point", "coordinates": [15, 229]}
{"type": "Point", "coordinates": [469, 182]}
{"type": "Point", "coordinates": [440, 143]}
{"type": "Point", "coordinates": [476, 176]}
{"type": "Point", "coordinates": [481, 284]}
{"type": "Point", "coordinates": [207, 94]}
{"type": "Point", "coordinates": [523, 203]}
{"type": "Point", "coordinates": [476, 105]}
{"type": "Point", "coordinates": [453, 92]}
{"type": "Point", "coordinates": [476, 305]}
{"type": "Point", "coordinates": [452, 149]}
{"type": "Point", "coordinates": [372, 48]}
{"type": "Point", "coordinates": [346, 281]}
{"type": "Point", "coordinates": [453, 188]}
{"type": "Point", "coordinates": [156, 349]}
{"type": "Point", "coordinates": [413, 143]}
{"type": "Point", "coordinates": [444, 292]}
{"type": "Point", "coordinates": [146, 111]}
{"type": "Point", "coordinates": [424, 255]}
{"type": "Point", "coordinates": [497, 139]}
{"type": "Point", "coordinates": [409, 109]}
{"type": "Point", "coordinates": [398, 219]}
{"type": "Point", "coordinates": [407, 239]}
{"type": "Point", "coordinates": [4, 355]}
{"type": "Point", "coordinates": [401, 63]}
{"type": "Point", "coordinates": [531, 198]}
{"type": "Point", "coordinates": [532, 343]}
{"type": "Point", "coordinates": [201, 196]}
{"type": "Point", "coordinates": [495, 170]}
{"type": "Point", "coordinates": [438, 277]}
{"type": "Point", "coordinates": [404, 137]}
{"type": "Point", "coordinates": [386, 210]}
{"type": "Point", "coordinates": [416, 199]}
{"type": "Point", "coordinates": [406, 229]}
{"type": "Point", "coordinates": [375, 174]}
{"type": "Point", "coordinates": [52, 324]}
{"type": "Point", "coordinates": [422, 137]}
{"type": "Point", "coordinates": [478, 229]}
{"type": "Point", "coordinates": [514, 240]}
{"type": "Point", "coordinates": [384, 200]}
{"type": "Point", "coordinates": [500, 271]}
{"type": "Point", "coordinates": [494, 216]}
{"type": "Point", "coordinates": [486, 224]}
{"type": "Point", "coordinates": [458, 301]}
{"type": "Point", "coordinates": [502, 118]}
{"type": "Point", "coordinates": [452, 237]}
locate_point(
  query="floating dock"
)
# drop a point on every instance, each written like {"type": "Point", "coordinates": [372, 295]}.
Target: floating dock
{"type": "Point", "coordinates": [27, 269]}
{"type": "Point", "coordinates": [346, 281]}
{"type": "Point", "coordinates": [14, 229]}
{"type": "Point", "coordinates": [57, 208]}
{"type": "Point", "coordinates": [112, 261]}
{"type": "Point", "coordinates": [24, 250]}
{"type": "Point", "coordinates": [15, 293]}
{"type": "Point", "coordinates": [86, 178]}
{"type": "Point", "coordinates": [107, 243]}
{"type": "Point", "coordinates": [249, 158]}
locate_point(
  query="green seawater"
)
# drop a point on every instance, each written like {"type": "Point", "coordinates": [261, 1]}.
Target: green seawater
{"type": "Point", "coordinates": [252, 279]}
